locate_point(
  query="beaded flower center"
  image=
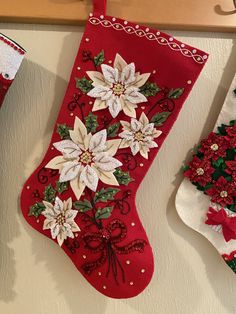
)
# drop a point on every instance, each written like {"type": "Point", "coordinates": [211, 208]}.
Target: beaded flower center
{"type": "Point", "coordinates": [200, 171]}
{"type": "Point", "coordinates": [223, 194]}
{"type": "Point", "coordinates": [118, 89]}
{"type": "Point", "coordinates": [86, 157]}
{"type": "Point", "coordinates": [60, 219]}
{"type": "Point", "coordinates": [214, 147]}
{"type": "Point", "coordinates": [139, 136]}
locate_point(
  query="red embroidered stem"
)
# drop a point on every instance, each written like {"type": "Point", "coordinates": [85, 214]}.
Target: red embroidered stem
{"type": "Point", "coordinates": [87, 56]}
{"type": "Point", "coordinates": [121, 203]}
{"type": "Point", "coordinates": [74, 103]}
{"type": "Point", "coordinates": [43, 176]}
{"type": "Point", "coordinates": [94, 209]}
{"type": "Point", "coordinates": [129, 160]}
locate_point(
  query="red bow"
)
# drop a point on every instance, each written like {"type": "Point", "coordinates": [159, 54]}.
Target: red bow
{"type": "Point", "coordinates": [220, 218]}
{"type": "Point", "coordinates": [105, 242]}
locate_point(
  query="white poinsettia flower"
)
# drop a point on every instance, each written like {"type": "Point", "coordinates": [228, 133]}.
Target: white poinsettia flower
{"type": "Point", "coordinates": [117, 88]}
{"type": "Point", "coordinates": [60, 219]}
{"type": "Point", "coordinates": [139, 135]}
{"type": "Point", "coordinates": [86, 159]}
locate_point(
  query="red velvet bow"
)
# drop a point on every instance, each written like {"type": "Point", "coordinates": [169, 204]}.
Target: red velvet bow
{"type": "Point", "coordinates": [220, 218]}
{"type": "Point", "coordinates": [105, 242]}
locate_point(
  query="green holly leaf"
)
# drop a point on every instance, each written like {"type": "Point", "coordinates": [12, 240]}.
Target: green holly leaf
{"type": "Point", "coordinates": [159, 118]}
{"type": "Point", "coordinates": [122, 177]}
{"type": "Point", "coordinates": [36, 209]}
{"type": "Point", "coordinates": [235, 91]}
{"type": "Point", "coordinates": [113, 129]}
{"type": "Point", "coordinates": [149, 89]}
{"type": "Point", "coordinates": [221, 129]}
{"type": "Point", "coordinates": [231, 207]}
{"type": "Point", "coordinates": [175, 93]}
{"type": "Point", "coordinates": [105, 195]}
{"type": "Point", "coordinates": [62, 186]}
{"type": "Point", "coordinates": [84, 84]}
{"type": "Point", "coordinates": [217, 163]}
{"type": "Point", "coordinates": [91, 123]}
{"type": "Point", "coordinates": [231, 263]}
{"type": "Point", "coordinates": [230, 154]}
{"type": "Point", "coordinates": [83, 206]}
{"type": "Point", "coordinates": [99, 59]}
{"type": "Point", "coordinates": [63, 131]}
{"type": "Point", "coordinates": [49, 194]}
{"type": "Point", "coordinates": [103, 213]}
{"type": "Point", "coordinates": [185, 168]}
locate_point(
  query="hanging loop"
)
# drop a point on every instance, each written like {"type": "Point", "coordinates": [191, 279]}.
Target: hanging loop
{"type": "Point", "coordinates": [99, 6]}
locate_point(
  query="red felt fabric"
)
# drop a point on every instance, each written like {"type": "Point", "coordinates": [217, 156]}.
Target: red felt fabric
{"type": "Point", "coordinates": [4, 86]}
{"type": "Point", "coordinates": [175, 65]}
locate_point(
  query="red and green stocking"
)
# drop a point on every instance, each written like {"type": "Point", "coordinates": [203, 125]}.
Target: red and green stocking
{"type": "Point", "coordinates": [126, 89]}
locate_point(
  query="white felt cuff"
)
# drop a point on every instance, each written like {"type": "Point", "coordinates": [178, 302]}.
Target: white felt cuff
{"type": "Point", "coordinates": [11, 56]}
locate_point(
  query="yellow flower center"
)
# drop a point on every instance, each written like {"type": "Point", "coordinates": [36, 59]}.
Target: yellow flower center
{"type": "Point", "coordinates": [60, 219]}
{"type": "Point", "coordinates": [86, 157]}
{"type": "Point", "coordinates": [223, 194]}
{"type": "Point", "coordinates": [214, 147]}
{"type": "Point", "coordinates": [118, 89]}
{"type": "Point", "coordinates": [200, 171]}
{"type": "Point", "coordinates": [138, 136]}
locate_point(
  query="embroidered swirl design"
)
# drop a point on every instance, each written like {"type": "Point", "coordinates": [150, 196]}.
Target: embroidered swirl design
{"type": "Point", "coordinates": [151, 36]}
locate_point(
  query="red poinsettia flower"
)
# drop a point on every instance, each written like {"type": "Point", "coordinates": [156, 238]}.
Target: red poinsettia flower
{"type": "Point", "coordinates": [214, 146]}
{"type": "Point", "coordinates": [222, 192]}
{"type": "Point", "coordinates": [231, 168]}
{"type": "Point", "coordinates": [231, 135]}
{"type": "Point", "coordinates": [199, 171]}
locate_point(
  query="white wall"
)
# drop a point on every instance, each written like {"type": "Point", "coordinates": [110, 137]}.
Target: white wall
{"type": "Point", "coordinates": [36, 277]}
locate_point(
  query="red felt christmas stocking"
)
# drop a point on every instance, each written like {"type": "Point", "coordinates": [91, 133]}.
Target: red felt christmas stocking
{"type": "Point", "coordinates": [126, 89]}
{"type": "Point", "coordinates": [11, 56]}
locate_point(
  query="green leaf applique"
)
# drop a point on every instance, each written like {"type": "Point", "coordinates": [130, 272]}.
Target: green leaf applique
{"type": "Point", "coordinates": [63, 131]}
{"type": "Point", "coordinates": [91, 123]}
{"type": "Point", "coordinates": [103, 213]}
{"type": "Point", "coordinates": [122, 177]}
{"type": "Point", "coordinates": [83, 206]}
{"type": "Point", "coordinates": [49, 194]}
{"type": "Point", "coordinates": [84, 84]}
{"type": "Point", "coordinates": [105, 195]}
{"type": "Point", "coordinates": [62, 186]}
{"type": "Point", "coordinates": [175, 93]}
{"type": "Point", "coordinates": [113, 129]}
{"type": "Point", "coordinates": [99, 59]}
{"type": "Point", "coordinates": [159, 118]}
{"type": "Point", "coordinates": [36, 209]}
{"type": "Point", "coordinates": [149, 89]}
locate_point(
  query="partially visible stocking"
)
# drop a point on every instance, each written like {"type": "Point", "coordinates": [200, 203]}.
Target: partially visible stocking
{"type": "Point", "coordinates": [206, 199]}
{"type": "Point", "coordinates": [11, 56]}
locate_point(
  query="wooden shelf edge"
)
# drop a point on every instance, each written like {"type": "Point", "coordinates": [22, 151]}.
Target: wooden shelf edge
{"type": "Point", "coordinates": [60, 21]}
